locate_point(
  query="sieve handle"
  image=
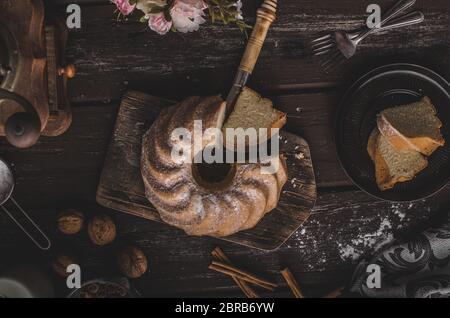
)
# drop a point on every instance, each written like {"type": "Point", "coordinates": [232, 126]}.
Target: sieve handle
{"type": "Point", "coordinates": [38, 237]}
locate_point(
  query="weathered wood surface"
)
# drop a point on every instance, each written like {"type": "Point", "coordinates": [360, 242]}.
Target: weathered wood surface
{"type": "Point", "coordinates": [121, 186]}
{"type": "Point", "coordinates": [113, 57]}
{"type": "Point", "coordinates": [320, 254]}
{"type": "Point", "coordinates": [85, 143]}
{"type": "Point", "coordinates": [123, 55]}
{"type": "Point", "coordinates": [64, 172]}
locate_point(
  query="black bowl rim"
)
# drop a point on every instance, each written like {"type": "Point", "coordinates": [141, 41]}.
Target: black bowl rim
{"type": "Point", "coordinates": [378, 71]}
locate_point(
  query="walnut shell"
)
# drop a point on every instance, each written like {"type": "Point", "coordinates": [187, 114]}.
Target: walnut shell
{"type": "Point", "coordinates": [132, 261]}
{"type": "Point", "coordinates": [70, 222]}
{"type": "Point", "coordinates": [102, 230]}
{"type": "Point", "coordinates": [60, 264]}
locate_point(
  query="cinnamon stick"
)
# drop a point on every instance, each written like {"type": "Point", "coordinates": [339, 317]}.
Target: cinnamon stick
{"type": "Point", "coordinates": [248, 277]}
{"type": "Point", "coordinates": [246, 289]}
{"type": "Point", "coordinates": [292, 283]}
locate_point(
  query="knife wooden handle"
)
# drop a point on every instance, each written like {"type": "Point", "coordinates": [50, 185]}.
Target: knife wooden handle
{"type": "Point", "coordinates": [266, 14]}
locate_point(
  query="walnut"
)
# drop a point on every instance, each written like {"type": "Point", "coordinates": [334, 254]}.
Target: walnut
{"type": "Point", "coordinates": [132, 261]}
{"type": "Point", "coordinates": [102, 230]}
{"type": "Point", "coordinates": [60, 264]}
{"type": "Point", "coordinates": [70, 221]}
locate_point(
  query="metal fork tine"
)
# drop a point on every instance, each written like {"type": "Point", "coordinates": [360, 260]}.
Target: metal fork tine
{"type": "Point", "coordinates": [335, 64]}
{"type": "Point", "coordinates": [319, 44]}
{"type": "Point", "coordinates": [330, 60]}
{"type": "Point", "coordinates": [325, 47]}
{"type": "Point", "coordinates": [321, 38]}
{"type": "Point", "coordinates": [323, 52]}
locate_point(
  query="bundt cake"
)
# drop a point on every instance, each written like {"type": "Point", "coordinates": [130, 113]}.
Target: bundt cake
{"type": "Point", "coordinates": [183, 197]}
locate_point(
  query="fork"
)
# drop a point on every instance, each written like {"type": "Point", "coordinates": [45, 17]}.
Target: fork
{"type": "Point", "coordinates": [340, 45]}
{"type": "Point", "coordinates": [411, 18]}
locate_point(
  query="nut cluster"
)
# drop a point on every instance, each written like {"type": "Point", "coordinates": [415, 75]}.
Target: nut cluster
{"type": "Point", "coordinates": [101, 229]}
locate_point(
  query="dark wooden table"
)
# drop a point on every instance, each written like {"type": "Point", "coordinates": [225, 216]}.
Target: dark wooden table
{"type": "Point", "coordinates": [112, 57]}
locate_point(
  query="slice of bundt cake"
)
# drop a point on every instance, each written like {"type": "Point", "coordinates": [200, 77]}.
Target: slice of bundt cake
{"type": "Point", "coordinates": [392, 165]}
{"type": "Point", "coordinates": [412, 127]}
{"type": "Point", "coordinates": [253, 111]}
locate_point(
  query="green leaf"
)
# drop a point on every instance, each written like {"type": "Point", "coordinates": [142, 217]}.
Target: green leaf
{"type": "Point", "coordinates": [156, 10]}
{"type": "Point", "coordinates": [167, 15]}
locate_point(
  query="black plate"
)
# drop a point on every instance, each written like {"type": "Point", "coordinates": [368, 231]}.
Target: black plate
{"type": "Point", "coordinates": [381, 88]}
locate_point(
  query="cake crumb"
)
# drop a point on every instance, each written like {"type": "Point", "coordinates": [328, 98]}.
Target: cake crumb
{"type": "Point", "coordinates": [296, 183]}
{"type": "Point", "coordinates": [300, 156]}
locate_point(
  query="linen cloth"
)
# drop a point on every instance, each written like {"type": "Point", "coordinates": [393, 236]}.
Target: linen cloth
{"type": "Point", "coordinates": [418, 268]}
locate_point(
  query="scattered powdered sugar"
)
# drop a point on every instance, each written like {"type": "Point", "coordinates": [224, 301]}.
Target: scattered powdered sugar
{"type": "Point", "coordinates": [401, 215]}
{"type": "Point", "coordinates": [400, 210]}
{"type": "Point", "coordinates": [347, 252]}
{"type": "Point", "coordinates": [367, 241]}
{"type": "Point", "coordinates": [395, 218]}
{"type": "Point", "coordinates": [363, 238]}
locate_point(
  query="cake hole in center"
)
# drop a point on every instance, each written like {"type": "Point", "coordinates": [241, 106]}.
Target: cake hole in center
{"type": "Point", "coordinates": [213, 175]}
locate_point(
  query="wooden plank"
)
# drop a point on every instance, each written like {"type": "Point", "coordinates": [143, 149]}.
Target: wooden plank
{"type": "Point", "coordinates": [121, 186]}
{"type": "Point", "coordinates": [66, 167]}
{"type": "Point", "coordinates": [84, 146]}
{"type": "Point", "coordinates": [312, 117]}
{"type": "Point", "coordinates": [64, 171]}
{"type": "Point", "coordinates": [113, 57]}
{"type": "Point", "coordinates": [72, 162]}
{"type": "Point", "coordinates": [322, 254]}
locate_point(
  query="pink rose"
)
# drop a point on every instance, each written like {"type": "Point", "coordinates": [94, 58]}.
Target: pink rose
{"type": "Point", "coordinates": [159, 24]}
{"type": "Point", "coordinates": [124, 6]}
{"type": "Point", "coordinates": [187, 15]}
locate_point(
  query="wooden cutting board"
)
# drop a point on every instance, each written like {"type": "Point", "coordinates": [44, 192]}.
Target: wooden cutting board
{"type": "Point", "coordinates": [121, 187]}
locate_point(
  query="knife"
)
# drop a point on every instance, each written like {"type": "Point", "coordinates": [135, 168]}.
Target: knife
{"type": "Point", "coordinates": [265, 16]}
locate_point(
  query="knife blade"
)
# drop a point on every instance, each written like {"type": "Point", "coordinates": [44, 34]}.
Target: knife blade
{"type": "Point", "coordinates": [239, 83]}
